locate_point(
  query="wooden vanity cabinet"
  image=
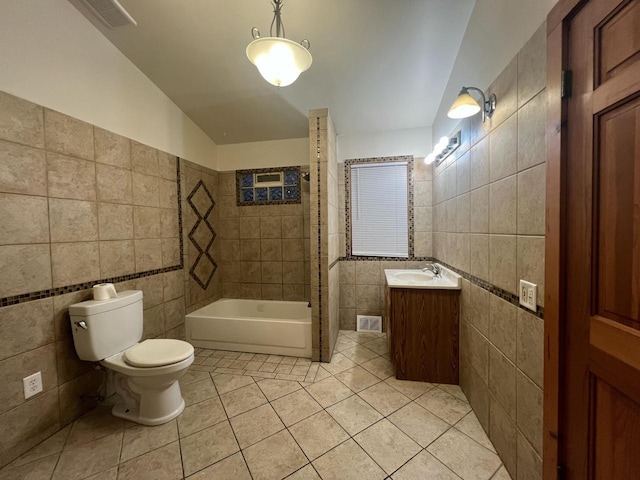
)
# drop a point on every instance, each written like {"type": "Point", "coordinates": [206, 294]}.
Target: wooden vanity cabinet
{"type": "Point", "coordinates": [422, 328]}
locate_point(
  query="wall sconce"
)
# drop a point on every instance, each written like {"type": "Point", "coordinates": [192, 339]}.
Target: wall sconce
{"type": "Point", "coordinates": [445, 147]}
{"type": "Point", "coordinates": [466, 106]}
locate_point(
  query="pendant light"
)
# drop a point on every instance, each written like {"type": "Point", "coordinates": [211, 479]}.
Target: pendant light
{"type": "Point", "coordinates": [279, 61]}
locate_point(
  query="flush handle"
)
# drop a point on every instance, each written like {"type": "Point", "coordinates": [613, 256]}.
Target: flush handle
{"type": "Point", "coordinates": [82, 324]}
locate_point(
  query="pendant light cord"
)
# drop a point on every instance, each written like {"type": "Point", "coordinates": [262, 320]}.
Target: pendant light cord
{"type": "Point", "coordinates": [277, 19]}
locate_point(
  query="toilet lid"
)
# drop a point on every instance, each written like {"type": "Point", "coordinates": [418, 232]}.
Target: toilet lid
{"type": "Point", "coordinates": [158, 352]}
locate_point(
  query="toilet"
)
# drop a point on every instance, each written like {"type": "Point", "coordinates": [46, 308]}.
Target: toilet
{"type": "Point", "coordinates": [146, 373]}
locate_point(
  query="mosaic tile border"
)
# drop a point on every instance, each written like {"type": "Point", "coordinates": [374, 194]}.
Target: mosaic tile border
{"type": "Point", "coordinates": [319, 231]}
{"type": "Point", "coordinates": [54, 292]}
{"type": "Point", "coordinates": [239, 174]}
{"type": "Point", "coordinates": [347, 199]}
{"type": "Point", "coordinates": [202, 251]}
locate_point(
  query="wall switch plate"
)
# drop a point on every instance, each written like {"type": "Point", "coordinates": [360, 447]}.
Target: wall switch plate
{"type": "Point", "coordinates": [32, 385]}
{"type": "Point", "coordinates": [528, 295]}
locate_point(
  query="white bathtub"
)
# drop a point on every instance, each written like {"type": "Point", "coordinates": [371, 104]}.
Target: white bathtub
{"type": "Point", "coordinates": [256, 326]}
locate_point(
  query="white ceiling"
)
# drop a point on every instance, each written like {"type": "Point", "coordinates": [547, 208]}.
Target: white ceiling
{"type": "Point", "coordinates": [377, 65]}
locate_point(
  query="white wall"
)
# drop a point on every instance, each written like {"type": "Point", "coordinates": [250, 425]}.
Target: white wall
{"type": "Point", "coordinates": [51, 55]}
{"type": "Point", "coordinates": [272, 153]}
{"type": "Point", "coordinates": [497, 31]}
{"type": "Point", "coordinates": [414, 141]}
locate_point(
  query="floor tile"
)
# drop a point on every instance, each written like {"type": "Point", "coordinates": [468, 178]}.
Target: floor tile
{"type": "Point", "coordinates": [191, 376]}
{"type": "Point", "coordinates": [444, 405]}
{"type": "Point", "coordinates": [242, 400]}
{"type": "Point", "coordinates": [142, 439]}
{"type": "Point", "coordinates": [232, 467]}
{"type": "Point", "coordinates": [419, 423]}
{"type": "Point", "coordinates": [97, 456]}
{"type": "Point", "coordinates": [273, 388]}
{"type": "Point", "coordinates": [51, 446]}
{"type": "Point", "coordinates": [362, 337]}
{"type": "Point", "coordinates": [501, 474]}
{"type": "Point", "coordinates": [268, 367]}
{"type": "Point", "coordinates": [300, 370]}
{"type": "Point", "coordinates": [303, 362]}
{"type": "Point", "coordinates": [379, 346]}
{"type": "Point", "coordinates": [318, 434]}
{"type": "Point", "coordinates": [198, 391]}
{"type": "Point", "coordinates": [226, 383]}
{"type": "Point", "coordinates": [110, 474]}
{"type": "Point", "coordinates": [305, 473]}
{"type": "Point", "coordinates": [295, 378]}
{"type": "Point", "coordinates": [383, 398]}
{"type": "Point", "coordinates": [464, 456]}
{"type": "Point", "coordinates": [408, 388]}
{"type": "Point", "coordinates": [200, 416]}
{"type": "Point", "coordinates": [207, 447]}
{"type": "Point", "coordinates": [380, 367]}
{"type": "Point", "coordinates": [470, 426]}
{"type": "Point", "coordinates": [339, 363]}
{"type": "Point", "coordinates": [260, 357]}
{"type": "Point", "coordinates": [252, 366]}
{"type": "Point", "coordinates": [387, 445]}
{"type": "Point", "coordinates": [295, 407]}
{"type": "Point", "coordinates": [321, 374]}
{"type": "Point", "coordinates": [329, 391]}
{"type": "Point", "coordinates": [354, 414]}
{"type": "Point", "coordinates": [161, 464]}
{"type": "Point", "coordinates": [95, 424]}
{"type": "Point", "coordinates": [454, 390]}
{"type": "Point", "coordinates": [344, 343]}
{"type": "Point", "coordinates": [232, 355]}
{"type": "Point", "coordinates": [348, 462]}
{"type": "Point", "coordinates": [41, 468]}
{"type": "Point", "coordinates": [246, 356]}
{"type": "Point", "coordinates": [424, 465]}
{"type": "Point", "coordinates": [274, 457]}
{"type": "Point", "coordinates": [359, 354]}
{"type": "Point", "coordinates": [274, 359]}
{"type": "Point", "coordinates": [289, 361]}
{"type": "Point", "coordinates": [357, 378]}
{"type": "Point", "coordinates": [256, 425]}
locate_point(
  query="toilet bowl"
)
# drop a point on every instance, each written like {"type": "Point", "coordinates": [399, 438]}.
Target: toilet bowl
{"type": "Point", "coordinates": [145, 374]}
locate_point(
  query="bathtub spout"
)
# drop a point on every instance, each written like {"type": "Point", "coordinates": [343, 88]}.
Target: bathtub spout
{"type": "Point", "coordinates": [309, 305]}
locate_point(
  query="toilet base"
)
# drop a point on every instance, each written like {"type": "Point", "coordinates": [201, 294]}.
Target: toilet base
{"type": "Point", "coordinates": [120, 410]}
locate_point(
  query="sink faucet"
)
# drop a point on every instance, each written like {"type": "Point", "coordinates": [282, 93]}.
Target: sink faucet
{"type": "Point", "coordinates": [435, 268]}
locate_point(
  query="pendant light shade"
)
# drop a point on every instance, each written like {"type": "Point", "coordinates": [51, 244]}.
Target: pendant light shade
{"type": "Point", "coordinates": [279, 61]}
{"type": "Point", "coordinates": [464, 106]}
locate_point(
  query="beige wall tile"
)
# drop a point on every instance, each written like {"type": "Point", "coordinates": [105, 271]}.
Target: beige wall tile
{"type": "Point", "coordinates": [271, 250]}
{"type": "Point", "coordinates": [68, 364]}
{"type": "Point", "coordinates": [169, 223]}
{"type": "Point", "coordinates": [111, 148]}
{"type": "Point", "coordinates": [144, 159]}
{"type": "Point", "coordinates": [368, 273]}
{"type": "Point", "coordinates": [173, 284]}
{"type": "Point", "coordinates": [271, 292]}
{"type": "Point", "coordinates": [174, 313]}
{"type": "Point", "coordinates": [71, 178]}
{"type": "Point", "coordinates": [292, 227]}
{"type": "Point", "coordinates": [170, 252]}
{"type": "Point", "coordinates": [230, 250]}
{"type": "Point", "coordinates": [73, 220]}
{"type": "Point", "coordinates": [73, 263]}
{"type": "Point", "coordinates": [230, 228]}
{"type": "Point", "coordinates": [348, 297]}
{"type": "Point", "coordinates": [504, 150]}
{"type": "Point", "coordinates": [502, 432]}
{"type": "Point", "coordinates": [502, 262]}
{"type": "Point", "coordinates": [422, 194]}
{"type": "Point", "coordinates": [531, 201]}
{"type": "Point", "coordinates": [115, 222]}
{"type": "Point", "coordinates": [250, 227]}
{"type": "Point", "coordinates": [348, 273]}
{"type": "Point", "coordinates": [463, 169]}
{"type": "Point", "coordinates": [270, 227]}
{"type": "Point", "coordinates": [532, 66]}
{"type": "Point", "coordinates": [530, 346]}
{"type": "Point", "coordinates": [67, 135]}
{"type": "Point", "coordinates": [293, 293]}
{"type": "Point", "coordinates": [505, 87]}
{"type": "Point", "coordinates": [22, 169]}
{"type": "Point", "coordinates": [479, 210]}
{"type": "Point", "coordinates": [479, 256]}
{"type": "Point", "coordinates": [251, 291]}
{"type": "Point", "coordinates": [475, 347]}
{"type": "Point", "coordinates": [153, 322]}
{"type": "Point", "coordinates": [502, 381]}
{"type": "Point", "coordinates": [530, 262]}
{"type": "Point", "coordinates": [529, 462]}
{"type": "Point", "coordinates": [25, 326]}
{"type": "Point", "coordinates": [24, 268]}
{"type": "Point", "coordinates": [152, 290]}
{"type": "Point", "coordinates": [145, 190]}
{"type": "Point", "coordinates": [148, 254]}
{"type": "Point", "coordinates": [422, 219]}
{"type": "Point", "coordinates": [146, 222]}
{"type": "Point", "coordinates": [168, 193]}
{"type": "Point", "coordinates": [532, 124]}
{"type": "Point", "coordinates": [476, 391]}
{"type": "Point", "coordinates": [76, 396]}
{"type": "Point", "coordinates": [21, 121]}
{"type": "Point", "coordinates": [503, 197]}
{"type": "Point", "coordinates": [529, 411]}
{"type": "Point", "coordinates": [24, 219]}
{"type": "Point", "coordinates": [463, 210]}
{"type": "Point", "coordinates": [479, 308]}
{"type": "Point", "coordinates": [423, 244]}
{"type": "Point", "coordinates": [271, 272]}
{"type": "Point", "coordinates": [61, 304]}
{"type": "Point", "coordinates": [293, 272]}
{"type": "Point", "coordinates": [114, 184]}
{"type": "Point", "coordinates": [227, 183]}
{"type": "Point", "coordinates": [116, 258]}
{"type": "Point", "coordinates": [502, 326]}
{"type": "Point", "coordinates": [250, 250]}
{"type": "Point", "coordinates": [167, 166]}
{"type": "Point", "coordinates": [479, 164]}
{"type": "Point", "coordinates": [293, 249]}
{"type": "Point", "coordinates": [368, 298]}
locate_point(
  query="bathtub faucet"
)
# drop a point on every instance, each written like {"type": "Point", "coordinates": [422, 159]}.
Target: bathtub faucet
{"type": "Point", "coordinates": [309, 305]}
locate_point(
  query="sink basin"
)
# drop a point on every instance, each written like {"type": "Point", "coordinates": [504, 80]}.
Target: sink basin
{"type": "Point", "coordinates": [449, 280]}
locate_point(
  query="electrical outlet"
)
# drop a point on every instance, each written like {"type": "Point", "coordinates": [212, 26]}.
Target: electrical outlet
{"type": "Point", "coordinates": [528, 295]}
{"type": "Point", "coordinates": [32, 385]}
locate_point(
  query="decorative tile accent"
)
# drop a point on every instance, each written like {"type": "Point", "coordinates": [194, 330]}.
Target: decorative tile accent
{"type": "Point", "coordinates": [247, 193]}
{"type": "Point", "coordinates": [202, 209]}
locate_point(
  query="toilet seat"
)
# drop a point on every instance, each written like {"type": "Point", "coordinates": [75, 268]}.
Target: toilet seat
{"type": "Point", "coordinates": [157, 353]}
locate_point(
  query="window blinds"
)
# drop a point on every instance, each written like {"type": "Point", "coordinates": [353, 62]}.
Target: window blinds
{"type": "Point", "coordinates": [379, 212]}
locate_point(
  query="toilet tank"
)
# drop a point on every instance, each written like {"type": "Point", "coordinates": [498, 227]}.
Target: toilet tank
{"type": "Point", "coordinates": [112, 325]}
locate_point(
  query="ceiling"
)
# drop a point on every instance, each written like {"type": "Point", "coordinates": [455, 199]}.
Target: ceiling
{"type": "Point", "coordinates": [377, 65]}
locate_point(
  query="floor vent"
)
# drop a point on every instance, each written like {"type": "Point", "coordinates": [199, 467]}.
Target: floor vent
{"type": "Point", "coordinates": [111, 13]}
{"type": "Point", "coordinates": [369, 323]}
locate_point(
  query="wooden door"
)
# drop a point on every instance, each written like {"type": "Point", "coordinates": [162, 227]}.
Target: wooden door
{"type": "Point", "coordinates": [598, 293]}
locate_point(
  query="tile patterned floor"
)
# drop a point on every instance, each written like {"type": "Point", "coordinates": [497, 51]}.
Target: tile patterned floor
{"type": "Point", "coordinates": [271, 417]}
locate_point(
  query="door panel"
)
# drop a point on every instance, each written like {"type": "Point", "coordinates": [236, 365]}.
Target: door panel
{"type": "Point", "coordinates": [618, 44]}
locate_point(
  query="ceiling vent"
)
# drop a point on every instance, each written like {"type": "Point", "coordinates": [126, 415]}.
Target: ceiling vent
{"type": "Point", "coordinates": [110, 12]}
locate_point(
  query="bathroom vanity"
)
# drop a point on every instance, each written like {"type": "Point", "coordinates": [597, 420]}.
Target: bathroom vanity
{"type": "Point", "coordinates": [422, 324]}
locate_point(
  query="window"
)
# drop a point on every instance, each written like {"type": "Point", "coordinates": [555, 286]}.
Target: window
{"type": "Point", "coordinates": [379, 209]}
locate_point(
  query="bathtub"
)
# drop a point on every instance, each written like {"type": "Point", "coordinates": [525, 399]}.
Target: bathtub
{"type": "Point", "coordinates": [255, 326]}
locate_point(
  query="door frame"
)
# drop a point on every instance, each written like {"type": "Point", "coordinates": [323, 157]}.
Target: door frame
{"type": "Point", "coordinates": [557, 57]}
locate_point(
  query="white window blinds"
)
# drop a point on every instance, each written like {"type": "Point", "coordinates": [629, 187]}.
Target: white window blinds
{"type": "Point", "coordinates": [379, 212]}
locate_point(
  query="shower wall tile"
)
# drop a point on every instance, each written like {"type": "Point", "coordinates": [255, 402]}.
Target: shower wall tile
{"type": "Point", "coordinates": [71, 178]}
{"type": "Point", "coordinates": [24, 219]}
{"type": "Point", "coordinates": [24, 268]}
{"type": "Point", "coordinates": [112, 149]}
{"type": "Point", "coordinates": [21, 121]}
{"type": "Point", "coordinates": [67, 135]}
{"type": "Point", "coordinates": [22, 169]}
{"type": "Point", "coordinates": [114, 184]}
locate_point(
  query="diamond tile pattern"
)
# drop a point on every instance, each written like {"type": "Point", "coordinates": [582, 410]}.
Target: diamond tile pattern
{"type": "Point", "coordinates": [246, 423]}
{"type": "Point", "coordinates": [202, 235]}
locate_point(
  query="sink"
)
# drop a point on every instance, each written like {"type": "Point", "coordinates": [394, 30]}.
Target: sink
{"type": "Point", "coordinates": [449, 280]}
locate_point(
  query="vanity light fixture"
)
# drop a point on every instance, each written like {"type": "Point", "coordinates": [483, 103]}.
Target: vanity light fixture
{"type": "Point", "coordinates": [279, 61]}
{"type": "Point", "coordinates": [445, 147]}
{"type": "Point", "coordinates": [466, 106]}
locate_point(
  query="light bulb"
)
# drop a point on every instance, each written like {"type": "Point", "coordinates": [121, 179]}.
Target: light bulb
{"type": "Point", "coordinates": [429, 159]}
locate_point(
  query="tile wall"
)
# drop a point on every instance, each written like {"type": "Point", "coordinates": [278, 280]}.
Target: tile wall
{"type": "Point", "coordinates": [78, 205]}
{"type": "Point", "coordinates": [489, 223]}
{"type": "Point", "coordinates": [264, 249]}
